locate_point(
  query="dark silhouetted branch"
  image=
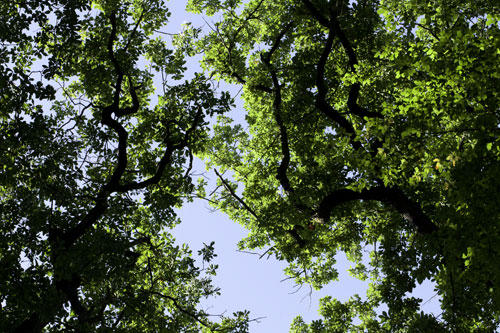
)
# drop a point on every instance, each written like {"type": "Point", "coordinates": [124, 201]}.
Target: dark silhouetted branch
{"type": "Point", "coordinates": [285, 149]}
{"type": "Point", "coordinates": [391, 195]}
{"type": "Point", "coordinates": [317, 14]}
{"type": "Point", "coordinates": [235, 196]}
{"type": "Point", "coordinates": [352, 102]}
{"type": "Point", "coordinates": [321, 102]}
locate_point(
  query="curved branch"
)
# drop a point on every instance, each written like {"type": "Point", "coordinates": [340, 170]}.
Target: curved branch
{"type": "Point", "coordinates": [285, 149]}
{"type": "Point", "coordinates": [352, 102]}
{"type": "Point", "coordinates": [67, 239]}
{"type": "Point", "coordinates": [62, 241]}
{"type": "Point", "coordinates": [317, 14]}
{"type": "Point", "coordinates": [321, 102]}
{"type": "Point", "coordinates": [394, 196]}
{"type": "Point", "coordinates": [165, 160]}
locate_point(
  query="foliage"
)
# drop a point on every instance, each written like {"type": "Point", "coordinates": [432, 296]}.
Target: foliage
{"type": "Point", "coordinates": [91, 171]}
{"type": "Point", "coordinates": [372, 124]}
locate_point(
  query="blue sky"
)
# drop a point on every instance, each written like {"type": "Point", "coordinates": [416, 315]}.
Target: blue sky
{"type": "Point", "coordinates": [251, 283]}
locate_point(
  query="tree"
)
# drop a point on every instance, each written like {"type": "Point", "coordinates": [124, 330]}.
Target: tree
{"type": "Point", "coordinates": [91, 170]}
{"type": "Point", "coordinates": [372, 124]}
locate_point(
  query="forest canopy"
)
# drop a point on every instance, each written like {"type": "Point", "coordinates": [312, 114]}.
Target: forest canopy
{"type": "Point", "coordinates": [371, 125]}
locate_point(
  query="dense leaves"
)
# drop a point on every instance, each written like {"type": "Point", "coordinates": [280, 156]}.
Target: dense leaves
{"type": "Point", "coordinates": [92, 170]}
{"type": "Point", "coordinates": [371, 125]}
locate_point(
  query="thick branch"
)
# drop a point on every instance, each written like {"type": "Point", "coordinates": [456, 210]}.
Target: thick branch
{"type": "Point", "coordinates": [106, 119]}
{"type": "Point", "coordinates": [352, 102]}
{"type": "Point", "coordinates": [317, 14]}
{"type": "Point", "coordinates": [122, 147]}
{"type": "Point", "coordinates": [67, 239]}
{"type": "Point", "coordinates": [165, 160]}
{"type": "Point", "coordinates": [346, 44]}
{"type": "Point", "coordinates": [321, 98]}
{"type": "Point", "coordinates": [355, 108]}
{"type": "Point", "coordinates": [70, 289]}
{"type": "Point", "coordinates": [119, 112]}
{"type": "Point", "coordinates": [321, 102]}
{"type": "Point", "coordinates": [267, 57]}
{"type": "Point", "coordinates": [285, 149]}
{"type": "Point", "coordinates": [293, 232]}
{"type": "Point", "coordinates": [62, 241]}
{"type": "Point", "coordinates": [394, 196]}
{"type": "Point", "coordinates": [114, 184]}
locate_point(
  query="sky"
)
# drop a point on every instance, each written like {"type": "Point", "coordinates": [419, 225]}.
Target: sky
{"type": "Point", "coordinates": [247, 282]}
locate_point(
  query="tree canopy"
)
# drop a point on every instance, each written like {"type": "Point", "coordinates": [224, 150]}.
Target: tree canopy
{"type": "Point", "coordinates": [371, 125]}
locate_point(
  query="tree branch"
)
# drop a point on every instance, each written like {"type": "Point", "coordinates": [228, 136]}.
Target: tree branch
{"type": "Point", "coordinates": [234, 195]}
{"type": "Point", "coordinates": [181, 308]}
{"type": "Point", "coordinates": [321, 102]}
{"type": "Point", "coordinates": [260, 87]}
{"type": "Point", "coordinates": [392, 195]}
{"type": "Point", "coordinates": [285, 150]}
{"type": "Point", "coordinates": [106, 119]}
{"type": "Point", "coordinates": [165, 160]}
{"type": "Point", "coordinates": [292, 232]}
{"type": "Point", "coordinates": [116, 65]}
{"type": "Point", "coordinates": [352, 102]}
{"type": "Point", "coordinates": [317, 14]}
